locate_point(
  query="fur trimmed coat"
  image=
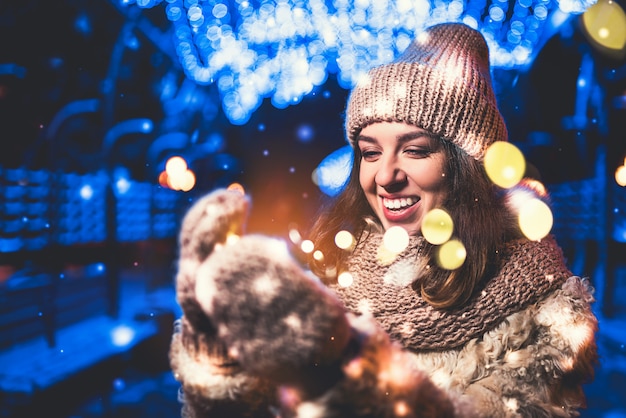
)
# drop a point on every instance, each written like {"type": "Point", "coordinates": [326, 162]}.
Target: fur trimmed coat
{"type": "Point", "coordinates": [261, 337]}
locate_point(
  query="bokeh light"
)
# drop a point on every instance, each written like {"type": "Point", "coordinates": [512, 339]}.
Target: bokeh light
{"type": "Point", "coordinates": [344, 240]}
{"type": "Point", "coordinates": [163, 179]}
{"type": "Point", "coordinates": [535, 219]}
{"type": "Point", "coordinates": [236, 187]}
{"type": "Point", "coordinates": [345, 279]}
{"type": "Point", "coordinates": [175, 165]}
{"type": "Point", "coordinates": [119, 384]}
{"type": "Point", "coordinates": [295, 236]}
{"type": "Point", "coordinates": [86, 192]}
{"type": "Point", "coordinates": [437, 226]}
{"type": "Point", "coordinates": [232, 238]}
{"type": "Point", "coordinates": [620, 175]}
{"type": "Point", "coordinates": [396, 239]}
{"type": "Point", "coordinates": [386, 256]}
{"type": "Point", "coordinates": [332, 174]}
{"type": "Point", "coordinates": [451, 255]}
{"type": "Point", "coordinates": [307, 246]}
{"type": "Point", "coordinates": [177, 175]}
{"type": "Point", "coordinates": [505, 164]}
{"type": "Point", "coordinates": [181, 180]}
{"type": "Point", "coordinates": [187, 180]}
{"type": "Point", "coordinates": [401, 409]}
{"type": "Point", "coordinates": [605, 22]}
{"type": "Point", "coordinates": [122, 335]}
{"type": "Point", "coordinates": [536, 186]}
{"type": "Point", "coordinates": [122, 185]}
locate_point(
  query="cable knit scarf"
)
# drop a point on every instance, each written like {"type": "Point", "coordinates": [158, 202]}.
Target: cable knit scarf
{"type": "Point", "coordinates": [528, 271]}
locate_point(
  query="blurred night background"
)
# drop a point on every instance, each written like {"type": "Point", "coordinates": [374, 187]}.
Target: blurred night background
{"type": "Point", "coordinates": [96, 97]}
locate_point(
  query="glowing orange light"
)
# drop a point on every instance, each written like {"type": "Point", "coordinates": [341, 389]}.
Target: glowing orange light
{"type": "Point", "coordinates": [236, 187]}
{"type": "Point", "coordinates": [620, 175]}
{"type": "Point", "coordinates": [354, 369]}
{"type": "Point", "coordinates": [187, 180]}
{"type": "Point", "coordinates": [177, 179]}
{"type": "Point", "coordinates": [535, 185]}
{"type": "Point", "coordinates": [175, 165]}
{"type": "Point", "coordinates": [401, 408]}
{"type": "Point", "coordinates": [232, 238]}
{"type": "Point", "coordinates": [171, 182]}
{"type": "Point", "coordinates": [163, 180]}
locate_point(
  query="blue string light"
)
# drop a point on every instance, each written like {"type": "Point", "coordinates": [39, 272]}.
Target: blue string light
{"type": "Point", "coordinates": [284, 49]}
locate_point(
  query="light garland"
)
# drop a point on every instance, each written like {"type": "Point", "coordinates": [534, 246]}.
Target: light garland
{"type": "Point", "coordinates": [284, 49]}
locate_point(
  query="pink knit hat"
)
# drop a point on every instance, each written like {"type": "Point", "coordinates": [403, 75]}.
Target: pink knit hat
{"type": "Point", "coordinates": [441, 83]}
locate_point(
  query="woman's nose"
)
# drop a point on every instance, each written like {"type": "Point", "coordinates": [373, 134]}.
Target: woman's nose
{"type": "Point", "coordinates": [390, 174]}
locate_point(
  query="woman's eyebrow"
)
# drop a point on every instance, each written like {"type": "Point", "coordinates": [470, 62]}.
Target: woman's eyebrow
{"type": "Point", "coordinates": [401, 138]}
{"type": "Point", "coordinates": [364, 138]}
{"type": "Point", "coordinates": [416, 135]}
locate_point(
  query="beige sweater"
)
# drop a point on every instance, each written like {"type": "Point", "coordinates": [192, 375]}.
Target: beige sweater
{"type": "Point", "coordinates": [522, 346]}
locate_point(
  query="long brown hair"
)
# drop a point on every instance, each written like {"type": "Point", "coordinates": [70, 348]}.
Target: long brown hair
{"type": "Point", "coordinates": [481, 222]}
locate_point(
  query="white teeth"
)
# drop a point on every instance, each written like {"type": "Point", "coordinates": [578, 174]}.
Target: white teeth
{"type": "Point", "coordinates": [399, 203]}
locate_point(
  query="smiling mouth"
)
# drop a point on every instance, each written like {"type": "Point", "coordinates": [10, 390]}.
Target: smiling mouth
{"type": "Point", "coordinates": [399, 204]}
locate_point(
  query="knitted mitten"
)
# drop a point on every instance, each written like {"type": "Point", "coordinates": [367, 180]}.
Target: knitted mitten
{"type": "Point", "coordinates": [211, 379]}
{"type": "Point", "coordinates": [277, 320]}
{"type": "Point", "coordinates": [247, 293]}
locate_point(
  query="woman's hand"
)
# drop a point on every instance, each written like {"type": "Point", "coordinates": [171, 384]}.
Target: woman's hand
{"type": "Point", "coordinates": [276, 319]}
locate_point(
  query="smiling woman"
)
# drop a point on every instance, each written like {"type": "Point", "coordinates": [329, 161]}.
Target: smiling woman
{"type": "Point", "coordinates": [478, 324]}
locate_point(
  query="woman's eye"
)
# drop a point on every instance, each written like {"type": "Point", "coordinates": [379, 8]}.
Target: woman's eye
{"type": "Point", "coordinates": [419, 152]}
{"type": "Point", "coordinates": [369, 155]}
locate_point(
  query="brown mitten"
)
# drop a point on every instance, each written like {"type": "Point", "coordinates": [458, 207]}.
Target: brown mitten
{"type": "Point", "coordinates": [207, 224]}
{"type": "Point", "coordinates": [211, 379]}
{"type": "Point", "coordinates": [278, 321]}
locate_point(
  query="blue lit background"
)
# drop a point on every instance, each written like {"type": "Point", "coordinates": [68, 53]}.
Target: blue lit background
{"type": "Point", "coordinates": [94, 102]}
{"type": "Point", "coordinates": [285, 50]}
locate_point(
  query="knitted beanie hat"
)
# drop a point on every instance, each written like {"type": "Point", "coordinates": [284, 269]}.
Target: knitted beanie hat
{"type": "Point", "coordinates": [441, 83]}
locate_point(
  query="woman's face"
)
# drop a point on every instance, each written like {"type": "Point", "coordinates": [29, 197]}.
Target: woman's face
{"type": "Point", "coordinates": [401, 173]}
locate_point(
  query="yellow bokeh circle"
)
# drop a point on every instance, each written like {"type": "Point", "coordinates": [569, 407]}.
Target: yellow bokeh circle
{"type": "Point", "coordinates": [505, 164]}
{"type": "Point", "coordinates": [535, 219]}
{"type": "Point", "coordinates": [451, 255]}
{"type": "Point", "coordinates": [605, 22]}
{"type": "Point", "coordinates": [437, 226]}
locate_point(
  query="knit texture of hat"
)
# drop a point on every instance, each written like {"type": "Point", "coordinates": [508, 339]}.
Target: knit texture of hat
{"type": "Point", "coordinates": [441, 83]}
